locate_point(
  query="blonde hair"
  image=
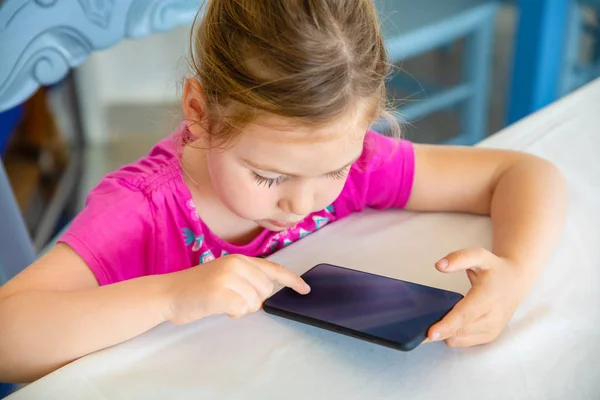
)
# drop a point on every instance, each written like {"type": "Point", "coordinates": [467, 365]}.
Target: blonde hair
{"type": "Point", "coordinates": [306, 60]}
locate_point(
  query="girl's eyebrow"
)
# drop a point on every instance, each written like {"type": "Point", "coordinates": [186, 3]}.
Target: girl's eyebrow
{"type": "Point", "coordinates": [266, 168]}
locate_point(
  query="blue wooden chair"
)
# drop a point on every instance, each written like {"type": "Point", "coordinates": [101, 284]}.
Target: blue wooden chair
{"type": "Point", "coordinates": [577, 69]}
{"type": "Point", "coordinates": [547, 62]}
{"type": "Point", "coordinates": [413, 28]}
{"type": "Point", "coordinates": [40, 41]}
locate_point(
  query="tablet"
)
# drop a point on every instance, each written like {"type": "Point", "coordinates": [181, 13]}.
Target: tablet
{"type": "Point", "coordinates": [381, 310]}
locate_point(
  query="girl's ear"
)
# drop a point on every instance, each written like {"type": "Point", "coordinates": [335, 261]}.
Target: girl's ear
{"type": "Point", "coordinates": [194, 107]}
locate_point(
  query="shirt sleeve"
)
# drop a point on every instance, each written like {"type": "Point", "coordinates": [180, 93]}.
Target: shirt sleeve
{"type": "Point", "coordinates": [114, 233]}
{"type": "Point", "coordinates": [382, 178]}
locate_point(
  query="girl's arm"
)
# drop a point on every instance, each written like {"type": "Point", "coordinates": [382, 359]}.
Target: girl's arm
{"type": "Point", "coordinates": [54, 311]}
{"type": "Point", "coordinates": [526, 199]}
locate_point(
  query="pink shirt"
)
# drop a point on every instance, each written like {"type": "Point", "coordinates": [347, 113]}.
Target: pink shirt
{"type": "Point", "coordinates": [141, 220]}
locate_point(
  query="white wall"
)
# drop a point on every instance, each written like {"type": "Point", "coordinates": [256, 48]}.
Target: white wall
{"type": "Point", "coordinates": [142, 71]}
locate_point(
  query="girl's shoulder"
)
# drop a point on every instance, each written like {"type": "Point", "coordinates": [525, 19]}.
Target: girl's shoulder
{"type": "Point", "coordinates": [382, 177]}
{"type": "Point", "coordinates": [379, 150]}
{"type": "Point", "coordinates": [132, 216]}
{"type": "Point", "coordinates": [157, 171]}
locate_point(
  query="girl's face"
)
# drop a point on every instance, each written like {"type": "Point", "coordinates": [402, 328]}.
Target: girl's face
{"type": "Point", "coordinates": [275, 175]}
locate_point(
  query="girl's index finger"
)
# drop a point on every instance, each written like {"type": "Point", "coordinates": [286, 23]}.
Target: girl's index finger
{"type": "Point", "coordinates": [281, 275]}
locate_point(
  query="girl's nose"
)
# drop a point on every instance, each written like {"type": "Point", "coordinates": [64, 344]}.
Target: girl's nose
{"type": "Point", "coordinates": [299, 200]}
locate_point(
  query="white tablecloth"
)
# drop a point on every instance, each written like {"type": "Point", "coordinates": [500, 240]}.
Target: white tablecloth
{"type": "Point", "coordinates": [550, 350]}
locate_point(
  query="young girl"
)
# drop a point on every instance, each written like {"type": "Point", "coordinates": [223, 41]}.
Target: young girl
{"type": "Point", "coordinates": [275, 144]}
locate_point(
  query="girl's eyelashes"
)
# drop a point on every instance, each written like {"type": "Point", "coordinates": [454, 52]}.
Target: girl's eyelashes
{"type": "Point", "coordinates": [340, 174]}
{"type": "Point", "coordinates": [269, 182]}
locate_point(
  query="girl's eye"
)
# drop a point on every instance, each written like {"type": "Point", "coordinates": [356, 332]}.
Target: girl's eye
{"type": "Point", "coordinates": [267, 182]}
{"type": "Point", "coordinates": [341, 174]}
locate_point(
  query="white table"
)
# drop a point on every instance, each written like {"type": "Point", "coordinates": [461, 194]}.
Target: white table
{"type": "Point", "coordinates": [550, 350]}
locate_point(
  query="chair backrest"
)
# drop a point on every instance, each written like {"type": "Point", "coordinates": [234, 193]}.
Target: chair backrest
{"type": "Point", "coordinates": [40, 41]}
{"type": "Point", "coordinates": [592, 3]}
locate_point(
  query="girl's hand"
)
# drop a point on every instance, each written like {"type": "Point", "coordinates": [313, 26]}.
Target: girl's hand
{"type": "Point", "coordinates": [234, 285]}
{"type": "Point", "coordinates": [497, 289]}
